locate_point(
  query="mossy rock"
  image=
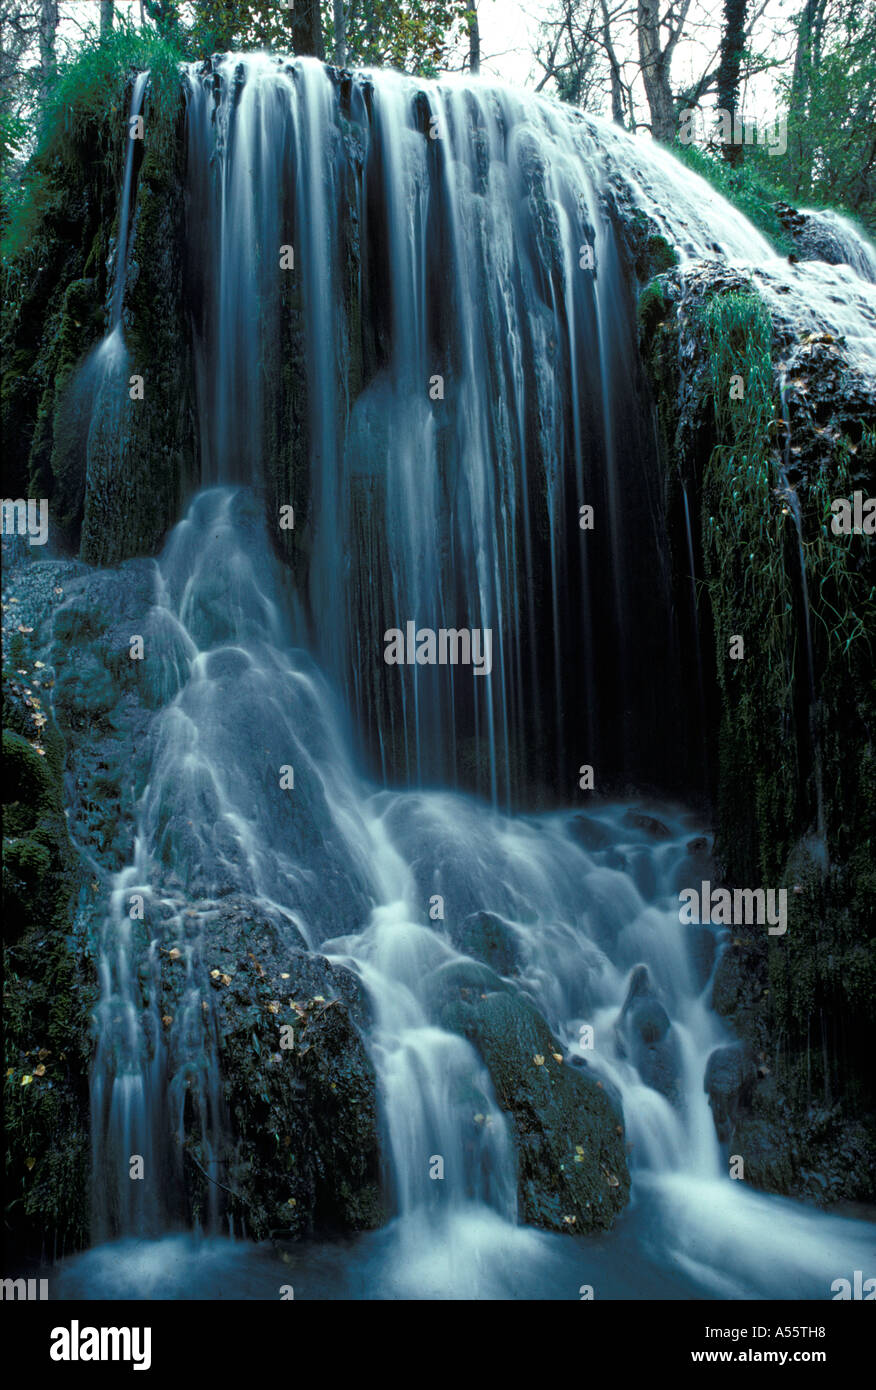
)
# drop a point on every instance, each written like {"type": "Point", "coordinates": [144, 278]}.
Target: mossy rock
{"type": "Point", "coordinates": [488, 938]}
{"type": "Point", "coordinates": [455, 980]}
{"type": "Point", "coordinates": [304, 1152]}
{"type": "Point", "coordinates": [38, 859]}
{"type": "Point", "coordinates": [572, 1170]}
{"type": "Point", "coordinates": [85, 692]}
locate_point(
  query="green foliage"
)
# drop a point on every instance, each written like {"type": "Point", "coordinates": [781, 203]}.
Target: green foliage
{"type": "Point", "coordinates": [84, 121]}
{"type": "Point", "coordinates": [749, 186]}
{"type": "Point", "coordinates": [223, 25]}
{"type": "Point", "coordinates": [831, 109]}
{"type": "Point", "coordinates": [416, 36]}
{"type": "Point", "coordinates": [843, 601]}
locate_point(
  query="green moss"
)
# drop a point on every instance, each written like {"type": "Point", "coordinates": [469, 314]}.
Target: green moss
{"type": "Point", "coordinates": [84, 121]}
{"type": "Point", "coordinates": [48, 988]}
{"type": "Point", "coordinates": [652, 307]}
{"type": "Point", "coordinates": [56, 249]}
{"type": "Point", "coordinates": [661, 255]}
{"type": "Point", "coordinates": [38, 858]}
{"type": "Point", "coordinates": [796, 782]}
{"type": "Point", "coordinates": [47, 998]}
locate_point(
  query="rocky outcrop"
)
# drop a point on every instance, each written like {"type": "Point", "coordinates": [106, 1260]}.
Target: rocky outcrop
{"type": "Point", "coordinates": [823, 236]}
{"type": "Point", "coordinates": [793, 774]}
{"type": "Point", "coordinates": [294, 1147]}
{"type": "Point", "coordinates": [300, 1151]}
{"type": "Point", "coordinates": [49, 976]}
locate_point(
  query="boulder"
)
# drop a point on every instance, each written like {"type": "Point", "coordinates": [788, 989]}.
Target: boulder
{"type": "Point", "coordinates": [589, 832]}
{"type": "Point", "coordinates": [730, 1076]}
{"type": "Point", "coordinates": [490, 939]}
{"type": "Point", "coordinates": [571, 1164]}
{"type": "Point", "coordinates": [644, 1035]}
{"type": "Point", "coordinates": [649, 825]}
{"type": "Point", "coordinates": [302, 1151]}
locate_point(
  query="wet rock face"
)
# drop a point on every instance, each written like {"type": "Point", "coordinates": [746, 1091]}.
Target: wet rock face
{"type": "Point", "coordinates": [571, 1165]}
{"type": "Point", "coordinates": [488, 938]}
{"type": "Point", "coordinates": [295, 1145]}
{"type": "Point", "coordinates": [823, 236]}
{"type": "Point", "coordinates": [644, 1034]}
{"type": "Point", "coordinates": [730, 1077]}
{"type": "Point", "coordinates": [49, 977]}
{"type": "Point", "coordinates": [813, 239]}
{"type": "Point", "coordinates": [300, 1152]}
{"type": "Point", "coordinates": [795, 1001]}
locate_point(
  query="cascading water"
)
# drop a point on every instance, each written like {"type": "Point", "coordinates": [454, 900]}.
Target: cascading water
{"type": "Point", "coordinates": [855, 249]}
{"type": "Point", "coordinates": [449, 454]}
{"type": "Point", "coordinates": [466, 387]}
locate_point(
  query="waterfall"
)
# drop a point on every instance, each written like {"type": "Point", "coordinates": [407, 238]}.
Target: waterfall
{"type": "Point", "coordinates": [466, 394]}
{"type": "Point", "coordinates": [856, 250]}
{"type": "Point", "coordinates": [123, 248]}
{"type": "Point", "coordinates": [246, 703]}
{"type": "Point", "coordinates": [424, 285]}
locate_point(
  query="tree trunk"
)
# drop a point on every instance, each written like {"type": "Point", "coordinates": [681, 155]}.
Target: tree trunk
{"type": "Point", "coordinates": [655, 72]}
{"type": "Point", "coordinates": [474, 41]}
{"type": "Point", "coordinates": [617, 100]}
{"type": "Point", "coordinates": [340, 54]}
{"type": "Point", "coordinates": [48, 24]}
{"type": "Point", "coordinates": [307, 29]}
{"type": "Point", "coordinates": [729, 68]}
{"type": "Point", "coordinates": [106, 17]}
{"type": "Point", "coordinates": [809, 29]}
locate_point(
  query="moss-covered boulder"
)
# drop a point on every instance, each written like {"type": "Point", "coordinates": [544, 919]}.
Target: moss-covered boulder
{"type": "Point", "coordinates": [299, 1131]}
{"type": "Point", "coordinates": [571, 1164]}
{"type": "Point", "coordinates": [487, 937]}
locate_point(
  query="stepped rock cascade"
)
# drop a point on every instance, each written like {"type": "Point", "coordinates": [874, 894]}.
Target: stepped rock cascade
{"type": "Point", "coordinates": [412, 320]}
{"type": "Point", "coordinates": [590, 936]}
